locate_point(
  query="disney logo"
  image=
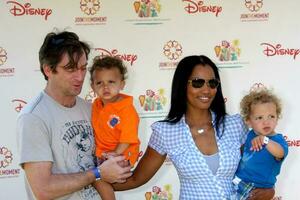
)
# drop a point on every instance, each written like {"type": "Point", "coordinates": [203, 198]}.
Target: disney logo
{"type": "Point", "coordinates": [20, 104]}
{"type": "Point", "coordinates": [198, 6]}
{"type": "Point", "coordinates": [271, 50]}
{"type": "Point", "coordinates": [19, 10]}
{"type": "Point", "coordinates": [131, 58]}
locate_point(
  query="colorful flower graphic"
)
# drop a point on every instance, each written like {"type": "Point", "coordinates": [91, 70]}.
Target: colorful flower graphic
{"type": "Point", "coordinates": [153, 101]}
{"type": "Point", "coordinates": [227, 51]}
{"type": "Point", "coordinates": [147, 8]}
{"type": "Point", "coordinates": [160, 193]}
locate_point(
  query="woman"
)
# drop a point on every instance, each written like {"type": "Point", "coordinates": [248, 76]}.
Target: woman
{"type": "Point", "coordinates": [202, 141]}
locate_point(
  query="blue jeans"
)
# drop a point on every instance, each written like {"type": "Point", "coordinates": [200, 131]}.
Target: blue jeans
{"type": "Point", "coordinates": [243, 189]}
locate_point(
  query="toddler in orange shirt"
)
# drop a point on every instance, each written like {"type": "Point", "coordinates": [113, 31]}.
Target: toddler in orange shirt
{"type": "Point", "coordinates": [114, 118]}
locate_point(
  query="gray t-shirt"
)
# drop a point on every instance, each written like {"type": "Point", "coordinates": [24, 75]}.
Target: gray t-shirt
{"type": "Point", "coordinates": [48, 131]}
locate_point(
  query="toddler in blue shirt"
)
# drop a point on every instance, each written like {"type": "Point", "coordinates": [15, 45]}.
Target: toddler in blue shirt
{"type": "Point", "coordinates": [264, 149]}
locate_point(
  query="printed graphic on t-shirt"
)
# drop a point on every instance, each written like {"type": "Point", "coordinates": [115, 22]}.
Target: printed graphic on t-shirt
{"type": "Point", "coordinates": [78, 142]}
{"type": "Point", "coordinates": [246, 157]}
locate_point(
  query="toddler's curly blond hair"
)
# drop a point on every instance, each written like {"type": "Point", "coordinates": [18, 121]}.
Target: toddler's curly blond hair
{"type": "Point", "coordinates": [259, 96]}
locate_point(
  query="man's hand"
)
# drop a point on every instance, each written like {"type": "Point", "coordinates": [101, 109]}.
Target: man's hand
{"type": "Point", "coordinates": [112, 172]}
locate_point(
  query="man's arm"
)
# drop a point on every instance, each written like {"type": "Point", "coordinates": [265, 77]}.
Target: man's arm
{"type": "Point", "coordinates": [46, 185]}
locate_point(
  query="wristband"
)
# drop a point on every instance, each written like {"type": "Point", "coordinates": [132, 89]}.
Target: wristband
{"type": "Point", "coordinates": [266, 140]}
{"type": "Point", "coordinates": [97, 174]}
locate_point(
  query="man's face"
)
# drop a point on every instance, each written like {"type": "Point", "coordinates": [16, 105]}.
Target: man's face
{"type": "Point", "coordinates": [67, 81]}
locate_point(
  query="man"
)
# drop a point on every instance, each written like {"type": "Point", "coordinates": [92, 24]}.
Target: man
{"type": "Point", "coordinates": [54, 132]}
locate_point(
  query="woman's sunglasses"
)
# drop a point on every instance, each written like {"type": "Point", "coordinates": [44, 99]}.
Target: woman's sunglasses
{"type": "Point", "coordinates": [199, 82]}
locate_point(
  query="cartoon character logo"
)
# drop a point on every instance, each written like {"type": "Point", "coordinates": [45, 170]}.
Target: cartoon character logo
{"type": "Point", "coordinates": [83, 144]}
{"type": "Point", "coordinates": [227, 51]}
{"type": "Point", "coordinates": [3, 56]}
{"type": "Point", "coordinates": [90, 7]}
{"type": "Point", "coordinates": [254, 6]}
{"type": "Point", "coordinates": [160, 193]}
{"type": "Point", "coordinates": [147, 8]}
{"type": "Point", "coordinates": [172, 50]}
{"type": "Point", "coordinates": [6, 157]}
{"type": "Point", "coordinates": [153, 101]}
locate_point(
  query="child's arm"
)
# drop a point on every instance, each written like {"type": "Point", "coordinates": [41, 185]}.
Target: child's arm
{"type": "Point", "coordinates": [121, 148]}
{"type": "Point", "coordinates": [273, 147]}
{"type": "Point", "coordinates": [105, 190]}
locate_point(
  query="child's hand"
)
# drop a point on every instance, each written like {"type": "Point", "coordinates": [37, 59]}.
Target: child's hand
{"type": "Point", "coordinates": [257, 143]}
{"type": "Point", "coordinates": [107, 155]}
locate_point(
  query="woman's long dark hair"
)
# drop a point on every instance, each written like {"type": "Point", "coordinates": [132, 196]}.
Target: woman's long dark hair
{"type": "Point", "coordinates": [179, 90]}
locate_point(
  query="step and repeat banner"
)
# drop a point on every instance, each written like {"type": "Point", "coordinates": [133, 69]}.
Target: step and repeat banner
{"type": "Point", "coordinates": [254, 43]}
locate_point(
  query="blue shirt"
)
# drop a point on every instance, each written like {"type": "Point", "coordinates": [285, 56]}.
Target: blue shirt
{"type": "Point", "coordinates": [197, 182]}
{"type": "Point", "coordinates": [261, 167]}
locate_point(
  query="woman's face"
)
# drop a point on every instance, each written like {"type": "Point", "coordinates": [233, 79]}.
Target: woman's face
{"type": "Point", "coordinates": [202, 97]}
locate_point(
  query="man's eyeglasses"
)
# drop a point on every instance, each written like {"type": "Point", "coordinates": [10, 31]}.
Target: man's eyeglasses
{"type": "Point", "coordinates": [199, 82]}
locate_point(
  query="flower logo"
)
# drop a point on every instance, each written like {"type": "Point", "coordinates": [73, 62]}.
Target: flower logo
{"type": "Point", "coordinates": [89, 7]}
{"type": "Point", "coordinates": [254, 6]}
{"type": "Point", "coordinates": [3, 56]}
{"type": "Point", "coordinates": [172, 50]}
{"type": "Point", "coordinates": [5, 157]}
{"type": "Point", "coordinates": [257, 87]}
{"type": "Point", "coordinates": [91, 96]}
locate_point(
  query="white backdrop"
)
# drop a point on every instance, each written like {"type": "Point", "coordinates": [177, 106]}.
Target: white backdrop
{"type": "Point", "coordinates": [253, 42]}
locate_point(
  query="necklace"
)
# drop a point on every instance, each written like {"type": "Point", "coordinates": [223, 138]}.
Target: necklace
{"type": "Point", "coordinates": [199, 128]}
{"type": "Point", "coordinates": [204, 128]}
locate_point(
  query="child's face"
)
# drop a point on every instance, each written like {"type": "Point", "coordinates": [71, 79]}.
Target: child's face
{"type": "Point", "coordinates": [263, 118]}
{"type": "Point", "coordinates": [107, 84]}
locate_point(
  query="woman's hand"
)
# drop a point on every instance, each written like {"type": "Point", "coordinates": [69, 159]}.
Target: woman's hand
{"type": "Point", "coordinates": [144, 171]}
{"type": "Point", "coordinates": [262, 194]}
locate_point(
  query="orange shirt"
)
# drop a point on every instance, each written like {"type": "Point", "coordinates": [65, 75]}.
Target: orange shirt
{"type": "Point", "coordinates": [116, 123]}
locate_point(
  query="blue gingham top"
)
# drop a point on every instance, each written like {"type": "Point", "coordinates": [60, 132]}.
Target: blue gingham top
{"type": "Point", "coordinates": [197, 182]}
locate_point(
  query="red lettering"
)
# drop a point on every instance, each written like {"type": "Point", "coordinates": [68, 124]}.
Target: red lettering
{"type": "Point", "coordinates": [20, 104]}
{"type": "Point", "coordinates": [271, 50]}
{"type": "Point", "coordinates": [198, 6]}
{"type": "Point", "coordinates": [292, 143]}
{"type": "Point", "coordinates": [125, 57]}
{"type": "Point", "coordinates": [19, 10]}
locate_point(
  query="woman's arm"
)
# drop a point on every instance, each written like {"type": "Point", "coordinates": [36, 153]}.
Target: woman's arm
{"type": "Point", "coordinates": [262, 194]}
{"type": "Point", "coordinates": [145, 170]}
